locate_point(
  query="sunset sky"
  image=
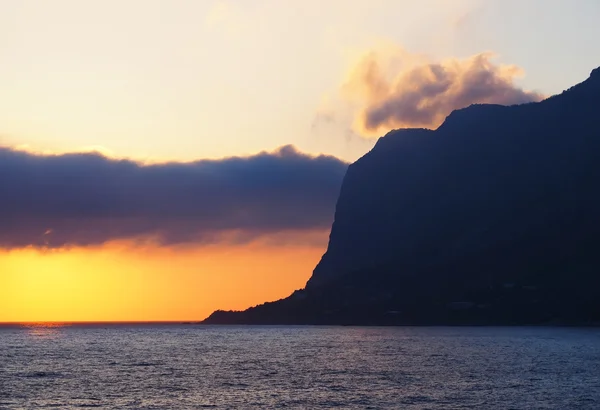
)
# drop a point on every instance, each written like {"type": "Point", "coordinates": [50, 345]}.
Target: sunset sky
{"type": "Point", "coordinates": [160, 159]}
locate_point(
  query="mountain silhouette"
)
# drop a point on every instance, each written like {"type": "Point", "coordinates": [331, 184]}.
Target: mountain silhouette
{"type": "Point", "coordinates": [493, 218]}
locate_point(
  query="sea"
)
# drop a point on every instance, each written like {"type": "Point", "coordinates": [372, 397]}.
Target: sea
{"type": "Point", "coordinates": [190, 366]}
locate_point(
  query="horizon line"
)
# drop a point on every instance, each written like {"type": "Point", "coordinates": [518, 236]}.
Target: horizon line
{"type": "Point", "coordinates": [96, 322]}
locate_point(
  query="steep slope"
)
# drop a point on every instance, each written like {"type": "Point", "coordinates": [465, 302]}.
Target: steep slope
{"type": "Point", "coordinates": [434, 191]}
{"type": "Point", "coordinates": [496, 197]}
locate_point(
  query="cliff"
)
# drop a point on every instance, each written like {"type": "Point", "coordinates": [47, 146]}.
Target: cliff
{"type": "Point", "coordinates": [491, 218]}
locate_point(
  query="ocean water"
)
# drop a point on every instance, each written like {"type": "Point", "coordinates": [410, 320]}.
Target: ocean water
{"type": "Point", "coordinates": [195, 366]}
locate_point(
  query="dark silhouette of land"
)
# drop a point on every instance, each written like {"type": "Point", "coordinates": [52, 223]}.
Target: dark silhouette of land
{"type": "Point", "coordinates": [493, 218]}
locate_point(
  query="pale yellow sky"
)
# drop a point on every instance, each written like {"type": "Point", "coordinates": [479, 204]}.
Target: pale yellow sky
{"type": "Point", "coordinates": [189, 79]}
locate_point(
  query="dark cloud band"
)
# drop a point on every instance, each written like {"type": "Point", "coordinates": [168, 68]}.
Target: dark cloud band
{"type": "Point", "coordinates": [88, 199]}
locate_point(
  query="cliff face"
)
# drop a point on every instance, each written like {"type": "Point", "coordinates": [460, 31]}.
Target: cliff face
{"type": "Point", "coordinates": [488, 177]}
{"type": "Point", "coordinates": [492, 218]}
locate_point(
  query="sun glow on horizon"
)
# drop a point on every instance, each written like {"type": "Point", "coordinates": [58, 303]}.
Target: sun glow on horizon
{"type": "Point", "coordinates": [117, 283]}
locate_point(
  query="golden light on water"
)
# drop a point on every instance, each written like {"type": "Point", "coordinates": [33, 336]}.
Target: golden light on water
{"type": "Point", "coordinates": [44, 330]}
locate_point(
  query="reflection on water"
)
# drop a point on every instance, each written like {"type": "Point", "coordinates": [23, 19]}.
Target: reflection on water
{"type": "Point", "coordinates": [224, 367]}
{"type": "Point", "coordinates": [44, 330]}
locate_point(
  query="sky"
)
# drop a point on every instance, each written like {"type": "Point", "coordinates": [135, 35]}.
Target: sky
{"type": "Point", "coordinates": [162, 159]}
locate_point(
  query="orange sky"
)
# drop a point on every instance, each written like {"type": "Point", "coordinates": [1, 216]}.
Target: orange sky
{"type": "Point", "coordinates": [122, 282]}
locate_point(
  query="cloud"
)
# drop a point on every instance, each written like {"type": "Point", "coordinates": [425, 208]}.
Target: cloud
{"type": "Point", "coordinates": [87, 199]}
{"type": "Point", "coordinates": [393, 88]}
{"type": "Point", "coordinates": [321, 118]}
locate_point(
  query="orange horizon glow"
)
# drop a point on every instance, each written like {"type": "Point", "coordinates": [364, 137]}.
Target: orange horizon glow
{"type": "Point", "coordinates": [121, 282]}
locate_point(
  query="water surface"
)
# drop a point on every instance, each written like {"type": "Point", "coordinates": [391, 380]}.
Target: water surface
{"type": "Point", "coordinates": [194, 366]}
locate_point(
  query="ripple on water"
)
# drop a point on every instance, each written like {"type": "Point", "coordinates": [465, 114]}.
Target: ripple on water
{"type": "Point", "coordinates": [300, 367]}
{"type": "Point", "coordinates": [40, 375]}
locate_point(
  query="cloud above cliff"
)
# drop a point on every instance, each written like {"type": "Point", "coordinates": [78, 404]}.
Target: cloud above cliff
{"type": "Point", "coordinates": [392, 88]}
{"type": "Point", "coordinates": [87, 199]}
